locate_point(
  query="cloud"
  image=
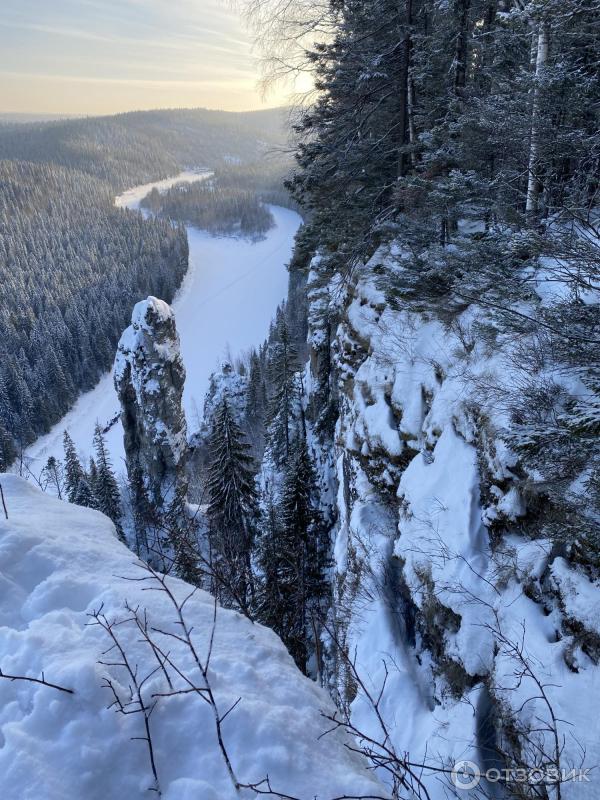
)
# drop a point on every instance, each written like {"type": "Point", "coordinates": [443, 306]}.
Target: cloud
{"type": "Point", "coordinates": [192, 82]}
{"type": "Point", "coordinates": [194, 46]}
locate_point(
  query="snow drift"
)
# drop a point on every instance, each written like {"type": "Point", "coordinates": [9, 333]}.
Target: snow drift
{"type": "Point", "coordinates": [58, 564]}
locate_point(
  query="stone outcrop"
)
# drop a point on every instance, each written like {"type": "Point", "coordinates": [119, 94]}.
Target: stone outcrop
{"type": "Point", "coordinates": [149, 377]}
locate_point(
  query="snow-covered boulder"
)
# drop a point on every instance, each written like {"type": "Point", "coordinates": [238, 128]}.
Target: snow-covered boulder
{"type": "Point", "coordinates": [149, 378]}
{"type": "Point", "coordinates": [58, 564]}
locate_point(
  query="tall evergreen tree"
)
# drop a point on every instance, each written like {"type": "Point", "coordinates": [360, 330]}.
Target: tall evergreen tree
{"type": "Point", "coordinates": [106, 490]}
{"type": "Point", "coordinates": [73, 470]}
{"type": "Point", "coordinates": [84, 495]}
{"type": "Point", "coordinates": [232, 509]}
{"type": "Point", "coordinates": [283, 378]}
{"type": "Point", "coordinates": [256, 392]}
{"type": "Point", "coordinates": [293, 555]}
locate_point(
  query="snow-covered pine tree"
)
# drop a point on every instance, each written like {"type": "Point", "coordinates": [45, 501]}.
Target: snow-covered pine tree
{"type": "Point", "coordinates": [106, 490]}
{"type": "Point", "coordinates": [73, 470]}
{"type": "Point", "coordinates": [293, 556]}
{"type": "Point", "coordinates": [285, 391]}
{"type": "Point", "coordinates": [93, 474]}
{"type": "Point", "coordinates": [84, 494]}
{"type": "Point", "coordinates": [256, 400]}
{"type": "Point", "coordinates": [142, 511]}
{"type": "Point", "coordinates": [232, 509]}
{"type": "Point", "coordinates": [7, 445]}
{"type": "Point", "coordinates": [270, 606]}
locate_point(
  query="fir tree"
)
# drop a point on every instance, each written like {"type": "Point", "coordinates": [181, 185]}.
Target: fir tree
{"type": "Point", "coordinates": [293, 554]}
{"type": "Point", "coordinates": [73, 469]}
{"type": "Point", "coordinates": [256, 392]}
{"type": "Point", "coordinates": [232, 508]}
{"type": "Point", "coordinates": [84, 496]}
{"type": "Point", "coordinates": [144, 513]}
{"type": "Point", "coordinates": [283, 369]}
{"type": "Point", "coordinates": [93, 475]}
{"type": "Point", "coordinates": [106, 490]}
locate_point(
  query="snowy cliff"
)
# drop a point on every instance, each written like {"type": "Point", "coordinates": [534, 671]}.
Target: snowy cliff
{"type": "Point", "coordinates": [74, 608]}
{"type": "Point", "coordinates": [479, 631]}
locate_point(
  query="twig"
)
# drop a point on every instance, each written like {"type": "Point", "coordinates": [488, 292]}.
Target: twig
{"type": "Point", "coordinates": [42, 681]}
{"type": "Point", "coordinates": [206, 691]}
{"type": "Point", "coordinates": [3, 502]}
{"type": "Point", "coordinates": [137, 704]}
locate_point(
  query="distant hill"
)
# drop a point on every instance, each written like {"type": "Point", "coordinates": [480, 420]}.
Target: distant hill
{"type": "Point", "coordinates": [145, 145]}
{"type": "Point", "coordinates": [12, 117]}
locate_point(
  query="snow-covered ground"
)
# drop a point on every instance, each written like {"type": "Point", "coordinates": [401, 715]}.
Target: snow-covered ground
{"type": "Point", "coordinates": [227, 299]}
{"type": "Point", "coordinates": [58, 564]}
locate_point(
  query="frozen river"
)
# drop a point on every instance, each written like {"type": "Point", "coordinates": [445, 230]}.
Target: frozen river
{"type": "Point", "coordinates": [226, 301]}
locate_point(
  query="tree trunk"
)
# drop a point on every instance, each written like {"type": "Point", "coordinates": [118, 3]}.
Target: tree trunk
{"type": "Point", "coordinates": [534, 186]}
{"type": "Point", "coordinates": [462, 44]}
{"type": "Point", "coordinates": [404, 93]}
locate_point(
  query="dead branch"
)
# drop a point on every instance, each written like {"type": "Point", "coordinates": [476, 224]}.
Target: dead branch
{"type": "Point", "coordinates": [206, 690]}
{"type": "Point", "coordinates": [136, 704]}
{"type": "Point", "coordinates": [42, 681]}
{"type": "Point", "coordinates": [3, 502]}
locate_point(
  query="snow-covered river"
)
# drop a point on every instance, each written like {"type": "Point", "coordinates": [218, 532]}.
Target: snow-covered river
{"type": "Point", "coordinates": [227, 300]}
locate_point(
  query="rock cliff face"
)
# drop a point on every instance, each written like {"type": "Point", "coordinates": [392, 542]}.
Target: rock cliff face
{"type": "Point", "coordinates": [452, 599]}
{"type": "Point", "coordinates": [149, 378]}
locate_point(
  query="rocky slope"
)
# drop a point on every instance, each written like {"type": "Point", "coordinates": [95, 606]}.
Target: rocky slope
{"type": "Point", "coordinates": [479, 631]}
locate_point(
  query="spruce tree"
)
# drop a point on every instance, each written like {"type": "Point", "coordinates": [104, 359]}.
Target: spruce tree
{"type": "Point", "coordinates": [73, 469]}
{"type": "Point", "coordinates": [7, 419]}
{"type": "Point", "coordinates": [255, 395]}
{"type": "Point", "coordinates": [145, 514]}
{"type": "Point", "coordinates": [84, 496]}
{"type": "Point", "coordinates": [93, 475]}
{"type": "Point", "coordinates": [283, 378]}
{"type": "Point", "coordinates": [293, 555]}
{"type": "Point", "coordinates": [232, 508]}
{"type": "Point", "coordinates": [106, 490]}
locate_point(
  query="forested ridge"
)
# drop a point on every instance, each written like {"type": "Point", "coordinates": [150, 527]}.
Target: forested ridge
{"type": "Point", "coordinates": [71, 264]}
{"type": "Point", "coordinates": [233, 199]}
{"type": "Point", "coordinates": [142, 146]}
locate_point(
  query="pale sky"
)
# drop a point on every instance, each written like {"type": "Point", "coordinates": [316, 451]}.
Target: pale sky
{"type": "Point", "coordinates": [105, 56]}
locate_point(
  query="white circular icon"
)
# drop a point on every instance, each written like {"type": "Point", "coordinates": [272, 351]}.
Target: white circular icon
{"type": "Point", "coordinates": [465, 775]}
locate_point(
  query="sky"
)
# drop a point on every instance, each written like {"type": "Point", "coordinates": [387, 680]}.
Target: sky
{"type": "Point", "coordinates": [106, 56]}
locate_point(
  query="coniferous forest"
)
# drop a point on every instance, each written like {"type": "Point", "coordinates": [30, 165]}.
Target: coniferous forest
{"type": "Point", "coordinates": [206, 205]}
{"type": "Point", "coordinates": [71, 265]}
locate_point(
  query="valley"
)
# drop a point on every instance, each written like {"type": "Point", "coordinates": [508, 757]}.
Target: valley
{"type": "Point", "coordinates": [225, 304]}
